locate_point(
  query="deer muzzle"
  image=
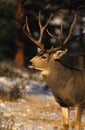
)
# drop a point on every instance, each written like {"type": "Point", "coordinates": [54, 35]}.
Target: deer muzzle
{"type": "Point", "coordinates": [30, 64]}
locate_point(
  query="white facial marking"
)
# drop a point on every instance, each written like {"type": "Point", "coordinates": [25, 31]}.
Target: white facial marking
{"type": "Point", "coordinates": [45, 72]}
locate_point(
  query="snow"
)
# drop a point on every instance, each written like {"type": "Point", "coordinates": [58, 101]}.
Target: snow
{"type": "Point", "coordinates": [36, 110]}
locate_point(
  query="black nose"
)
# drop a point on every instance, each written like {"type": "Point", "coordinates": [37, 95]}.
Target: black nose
{"type": "Point", "coordinates": [30, 63]}
{"type": "Point", "coordinates": [30, 60]}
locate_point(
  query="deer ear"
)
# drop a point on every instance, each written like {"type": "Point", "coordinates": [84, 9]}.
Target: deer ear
{"type": "Point", "coordinates": [59, 54]}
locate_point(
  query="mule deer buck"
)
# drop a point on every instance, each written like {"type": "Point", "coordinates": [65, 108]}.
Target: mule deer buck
{"type": "Point", "coordinates": [67, 85]}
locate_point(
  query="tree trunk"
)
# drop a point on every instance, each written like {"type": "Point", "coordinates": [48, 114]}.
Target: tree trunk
{"type": "Point", "coordinates": [19, 55]}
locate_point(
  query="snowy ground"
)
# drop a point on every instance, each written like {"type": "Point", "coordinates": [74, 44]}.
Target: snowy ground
{"type": "Point", "coordinates": [36, 109]}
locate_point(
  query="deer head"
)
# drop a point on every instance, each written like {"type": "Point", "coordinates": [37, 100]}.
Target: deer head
{"type": "Point", "coordinates": [46, 58]}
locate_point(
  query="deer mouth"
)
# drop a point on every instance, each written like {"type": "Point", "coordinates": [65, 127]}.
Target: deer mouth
{"type": "Point", "coordinates": [31, 66]}
{"type": "Point", "coordinates": [34, 67]}
{"type": "Point", "coordinates": [43, 71]}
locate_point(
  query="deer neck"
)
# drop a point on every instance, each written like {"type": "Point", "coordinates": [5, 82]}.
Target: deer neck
{"type": "Point", "coordinates": [55, 74]}
{"type": "Point", "coordinates": [53, 69]}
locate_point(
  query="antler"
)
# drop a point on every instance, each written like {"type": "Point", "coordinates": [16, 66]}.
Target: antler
{"type": "Point", "coordinates": [71, 29]}
{"type": "Point", "coordinates": [42, 28]}
{"type": "Point", "coordinates": [59, 38]}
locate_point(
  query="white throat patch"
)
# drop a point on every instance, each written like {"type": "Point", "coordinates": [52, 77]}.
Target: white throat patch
{"type": "Point", "coordinates": [45, 72]}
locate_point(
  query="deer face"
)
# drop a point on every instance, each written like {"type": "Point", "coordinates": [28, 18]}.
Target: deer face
{"type": "Point", "coordinates": [40, 62]}
{"type": "Point", "coordinates": [45, 61]}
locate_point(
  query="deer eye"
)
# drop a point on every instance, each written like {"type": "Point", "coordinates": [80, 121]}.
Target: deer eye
{"type": "Point", "coordinates": [44, 57]}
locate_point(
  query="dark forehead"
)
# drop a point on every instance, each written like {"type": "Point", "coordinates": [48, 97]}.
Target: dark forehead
{"type": "Point", "coordinates": [47, 52]}
{"type": "Point", "coordinates": [42, 52]}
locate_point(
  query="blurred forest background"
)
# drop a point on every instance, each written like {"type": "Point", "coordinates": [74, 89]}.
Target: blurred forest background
{"type": "Point", "coordinates": [17, 48]}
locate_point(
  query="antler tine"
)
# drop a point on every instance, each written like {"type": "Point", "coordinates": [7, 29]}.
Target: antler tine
{"type": "Point", "coordinates": [40, 25]}
{"type": "Point", "coordinates": [27, 32]}
{"type": "Point", "coordinates": [42, 28]}
{"type": "Point", "coordinates": [27, 26]}
{"type": "Point", "coordinates": [58, 38]}
{"type": "Point", "coordinates": [71, 29]}
{"type": "Point", "coordinates": [61, 31]}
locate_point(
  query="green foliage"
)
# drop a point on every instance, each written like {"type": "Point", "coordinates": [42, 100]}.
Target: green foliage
{"type": "Point", "coordinates": [7, 9]}
{"type": "Point", "coordinates": [7, 28]}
